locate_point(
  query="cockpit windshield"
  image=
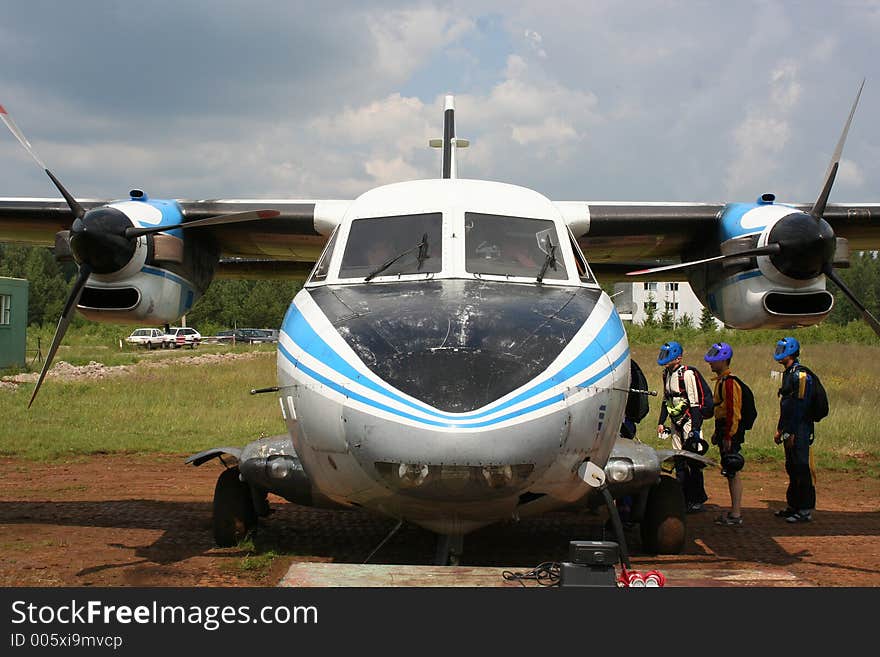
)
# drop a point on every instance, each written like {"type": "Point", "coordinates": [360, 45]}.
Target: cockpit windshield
{"type": "Point", "coordinates": [412, 244]}
{"type": "Point", "coordinates": [512, 246]}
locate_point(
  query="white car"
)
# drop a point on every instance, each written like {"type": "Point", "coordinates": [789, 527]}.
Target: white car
{"type": "Point", "coordinates": [179, 336]}
{"type": "Point", "coordinates": [147, 337]}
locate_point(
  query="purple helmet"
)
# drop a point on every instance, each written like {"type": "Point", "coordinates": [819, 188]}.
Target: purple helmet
{"type": "Point", "coordinates": [718, 351]}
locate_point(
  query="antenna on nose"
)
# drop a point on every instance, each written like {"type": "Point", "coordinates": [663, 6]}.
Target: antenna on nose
{"type": "Point", "coordinates": [449, 142]}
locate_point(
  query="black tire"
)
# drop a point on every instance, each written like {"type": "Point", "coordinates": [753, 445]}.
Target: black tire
{"type": "Point", "coordinates": [663, 527]}
{"type": "Point", "coordinates": [234, 514]}
{"type": "Point", "coordinates": [149, 346]}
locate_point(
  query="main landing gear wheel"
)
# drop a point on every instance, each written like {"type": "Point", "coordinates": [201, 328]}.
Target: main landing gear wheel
{"type": "Point", "coordinates": [234, 514]}
{"type": "Point", "coordinates": [663, 526]}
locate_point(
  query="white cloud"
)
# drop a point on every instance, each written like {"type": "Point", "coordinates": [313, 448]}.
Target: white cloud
{"type": "Point", "coordinates": [763, 134]}
{"type": "Point", "coordinates": [534, 40]}
{"type": "Point", "coordinates": [850, 174]}
{"type": "Point", "coordinates": [393, 121]}
{"type": "Point", "coordinates": [386, 171]}
{"type": "Point", "coordinates": [551, 129]}
{"type": "Point", "coordinates": [404, 38]}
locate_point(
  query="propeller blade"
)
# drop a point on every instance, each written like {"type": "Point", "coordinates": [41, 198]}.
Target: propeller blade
{"type": "Point", "coordinates": [819, 206]}
{"type": "Point", "coordinates": [866, 314]}
{"type": "Point", "coordinates": [75, 207]}
{"type": "Point", "coordinates": [770, 249]}
{"type": "Point", "coordinates": [234, 218]}
{"type": "Point", "coordinates": [63, 323]}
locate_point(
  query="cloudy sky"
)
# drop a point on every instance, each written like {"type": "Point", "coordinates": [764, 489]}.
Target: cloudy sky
{"type": "Point", "coordinates": [580, 100]}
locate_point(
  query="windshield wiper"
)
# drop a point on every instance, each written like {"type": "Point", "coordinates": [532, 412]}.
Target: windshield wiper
{"type": "Point", "coordinates": [550, 260]}
{"type": "Point", "coordinates": [423, 251]}
{"type": "Point", "coordinates": [423, 255]}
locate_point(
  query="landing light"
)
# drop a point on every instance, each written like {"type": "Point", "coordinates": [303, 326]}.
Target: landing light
{"type": "Point", "coordinates": [279, 468]}
{"type": "Point", "coordinates": [620, 470]}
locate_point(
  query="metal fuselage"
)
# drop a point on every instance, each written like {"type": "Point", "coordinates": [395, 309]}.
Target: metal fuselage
{"type": "Point", "coordinates": [452, 399]}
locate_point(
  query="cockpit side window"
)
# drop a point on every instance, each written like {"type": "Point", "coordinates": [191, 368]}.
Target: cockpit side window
{"type": "Point", "coordinates": [413, 242]}
{"type": "Point", "coordinates": [512, 246]}
{"type": "Point", "coordinates": [579, 260]}
{"type": "Point", "coordinates": [320, 271]}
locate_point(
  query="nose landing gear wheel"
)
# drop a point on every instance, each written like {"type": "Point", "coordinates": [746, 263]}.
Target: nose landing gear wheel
{"type": "Point", "coordinates": [449, 550]}
{"type": "Point", "coordinates": [234, 514]}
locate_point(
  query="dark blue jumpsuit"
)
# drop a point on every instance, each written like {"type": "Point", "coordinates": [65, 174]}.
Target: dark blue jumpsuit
{"type": "Point", "coordinates": [797, 432]}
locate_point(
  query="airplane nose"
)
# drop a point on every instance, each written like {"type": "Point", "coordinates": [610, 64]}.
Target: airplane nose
{"type": "Point", "coordinates": [456, 345]}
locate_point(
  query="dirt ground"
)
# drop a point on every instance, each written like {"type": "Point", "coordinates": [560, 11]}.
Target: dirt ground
{"type": "Point", "coordinates": [135, 520]}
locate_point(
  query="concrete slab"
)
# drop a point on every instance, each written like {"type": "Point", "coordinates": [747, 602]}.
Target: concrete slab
{"type": "Point", "coordinates": [386, 575]}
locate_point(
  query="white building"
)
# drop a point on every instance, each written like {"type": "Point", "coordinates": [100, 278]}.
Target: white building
{"type": "Point", "coordinates": [633, 300]}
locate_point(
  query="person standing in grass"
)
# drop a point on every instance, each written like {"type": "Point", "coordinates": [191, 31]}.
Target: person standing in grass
{"type": "Point", "coordinates": [795, 432]}
{"type": "Point", "coordinates": [729, 430]}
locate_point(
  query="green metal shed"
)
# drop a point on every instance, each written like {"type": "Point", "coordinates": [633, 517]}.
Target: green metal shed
{"type": "Point", "coordinates": [13, 321]}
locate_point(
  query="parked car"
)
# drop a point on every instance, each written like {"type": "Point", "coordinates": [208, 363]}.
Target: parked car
{"type": "Point", "coordinates": [179, 336]}
{"type": "Point", "coordinates": [147, 337]}
{"type": "Point", "coordinates": [272, 333]}
{"type": "Point", "coordinates": [247, 336]}
{"type": "Point", "coordinates": [262, 335]}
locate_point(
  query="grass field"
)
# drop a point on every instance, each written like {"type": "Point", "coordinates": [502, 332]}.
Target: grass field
{"type": "Point", "coordinates": [186, 409]}
{"type": "Point", "coordinates": [173, 409]}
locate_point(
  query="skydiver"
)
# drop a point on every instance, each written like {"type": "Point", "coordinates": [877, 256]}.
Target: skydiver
{"type": "Point", "coordinates": [682, 398]}
{"type": "Point", "coordinates": [795, 432]}
{"type": "Point", "coordinates": [729, 430]}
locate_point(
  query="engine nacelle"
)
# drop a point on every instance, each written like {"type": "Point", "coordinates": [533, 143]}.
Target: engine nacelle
{"type": "Point", "coordinates": [749, 300]}
{"type": "Point", "coordinates": [165, 276]}
{"type": "Point", "coordinates": [752, 292]}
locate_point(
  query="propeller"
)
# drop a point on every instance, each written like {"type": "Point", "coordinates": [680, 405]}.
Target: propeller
{"type": "Point", "coordinates": [63, 323]}
{"type": "Point", "coordinates": [103, 240]}
{"type": "Point", "coordinates": [800, 245]}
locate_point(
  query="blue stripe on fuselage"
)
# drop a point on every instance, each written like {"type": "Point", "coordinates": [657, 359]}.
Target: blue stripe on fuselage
{"type": "Point", "coordinates": [449, 424]}
{"type": "Point", "coordinates": [307, 339]}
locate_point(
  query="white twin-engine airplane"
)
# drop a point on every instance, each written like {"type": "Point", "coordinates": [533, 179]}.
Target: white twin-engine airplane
{"type": "Point", "coordinates": [451, 359]}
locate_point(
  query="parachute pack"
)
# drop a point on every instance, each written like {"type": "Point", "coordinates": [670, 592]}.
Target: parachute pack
{"type": "Point", "coordinates": [705, 401]}
{"type": "Point", "coordinates": [818, 407]}
{"type": "Point", "coordinates": [748, 410]}
{"type": "Point", "coordinates": [636, 403]}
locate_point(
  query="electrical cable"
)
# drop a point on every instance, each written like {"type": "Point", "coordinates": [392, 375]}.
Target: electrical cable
{"type": "Point", "coordinates": [545, 574]}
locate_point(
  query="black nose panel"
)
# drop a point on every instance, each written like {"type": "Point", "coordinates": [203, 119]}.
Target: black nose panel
{"type": "Point", "coordinates": [456, 344]}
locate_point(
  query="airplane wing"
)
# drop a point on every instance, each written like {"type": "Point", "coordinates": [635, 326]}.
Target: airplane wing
{"type": "Point", "coordinates": [620, 237]}
{"type": "Point", "coordinates": [297, 234]}
{"type": "Point", "coordinates": [614, 235]}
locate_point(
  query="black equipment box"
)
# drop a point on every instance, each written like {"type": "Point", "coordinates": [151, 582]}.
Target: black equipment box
{"type": "Point", "coordinates": [592, 564]}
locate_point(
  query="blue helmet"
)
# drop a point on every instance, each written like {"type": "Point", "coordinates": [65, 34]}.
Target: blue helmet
{"type": "Point", "coordinates": [669, 352]}
{"type": "Point", "coordinates": [786, 347]}
{"type": "Point", "coordinates": [718, 351]}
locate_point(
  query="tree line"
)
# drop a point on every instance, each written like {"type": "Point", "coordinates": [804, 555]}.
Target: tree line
{"type": "Point", "coordinates": [231, 303]}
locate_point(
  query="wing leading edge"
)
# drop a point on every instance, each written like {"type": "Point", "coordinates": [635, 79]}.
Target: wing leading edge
{"type": "Point", "coordinates": [616, 236]}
